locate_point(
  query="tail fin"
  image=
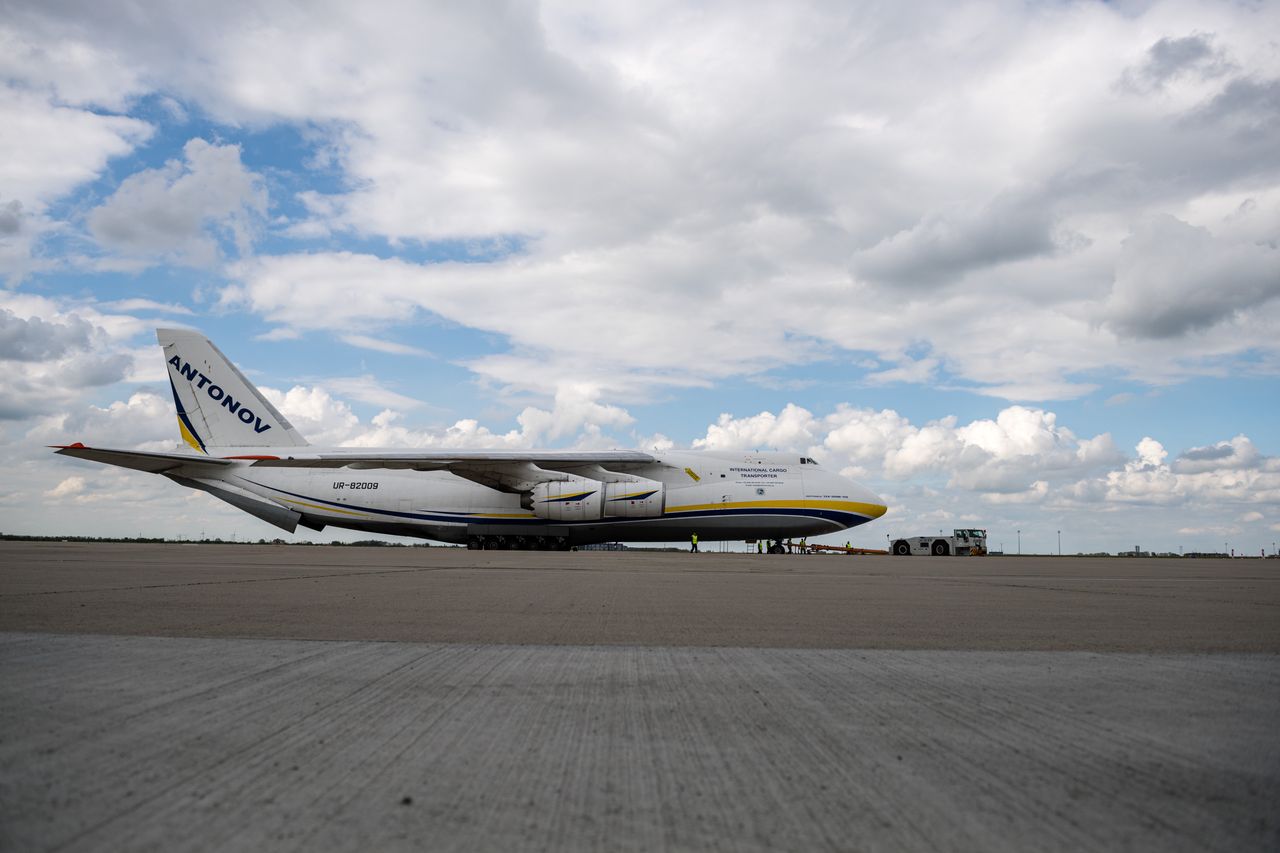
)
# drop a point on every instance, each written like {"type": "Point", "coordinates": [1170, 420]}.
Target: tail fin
{"type": "Point", "coordinates": [217, 406]}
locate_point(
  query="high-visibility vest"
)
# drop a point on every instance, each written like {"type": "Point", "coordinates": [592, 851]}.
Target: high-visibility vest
{"type": "Point", "coordinates": [695, 539]}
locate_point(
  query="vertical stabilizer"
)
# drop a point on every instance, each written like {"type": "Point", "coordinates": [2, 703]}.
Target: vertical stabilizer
{"type": "Point", "coordinates": [217, 406]}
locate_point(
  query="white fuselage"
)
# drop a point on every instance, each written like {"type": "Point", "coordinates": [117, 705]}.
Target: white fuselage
{"type": "Point", "coordinates": [717, 495]}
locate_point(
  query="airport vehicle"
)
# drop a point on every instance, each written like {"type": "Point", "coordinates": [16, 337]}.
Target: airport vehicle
{"type": "Point", "coordinates": [962, 543]}
{"type": "Point", "coordinates": [244, 452]}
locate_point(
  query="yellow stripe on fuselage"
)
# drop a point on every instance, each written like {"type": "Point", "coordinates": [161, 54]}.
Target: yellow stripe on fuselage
{"type": "Point", "coordinates": [869, 510]}
{"type": "Point", "coordinates": [325, 508]}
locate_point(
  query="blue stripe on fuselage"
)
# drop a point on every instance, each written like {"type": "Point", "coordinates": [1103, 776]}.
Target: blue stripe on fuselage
{"type": "Point", "coordinates": [460, 517]}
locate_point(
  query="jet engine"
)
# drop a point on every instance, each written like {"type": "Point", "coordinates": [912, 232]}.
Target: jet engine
{"type": "Point", "coordinates": [581, 499]}
{"type": "Point", "coordinates": [575, 499]}
{"type": "Point", "coordinates": [635, 499]}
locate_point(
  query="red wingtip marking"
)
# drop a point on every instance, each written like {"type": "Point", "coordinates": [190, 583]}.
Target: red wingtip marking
{"type": "Point", "coordinates": [76, 446]}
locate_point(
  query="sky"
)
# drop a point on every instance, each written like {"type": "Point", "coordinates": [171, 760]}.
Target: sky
{"type": "Point", "coordinates": [1012, 265]}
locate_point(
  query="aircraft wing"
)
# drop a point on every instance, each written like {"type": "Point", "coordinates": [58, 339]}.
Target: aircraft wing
{"type": "Point", "coordinates": [506, 471]}
{"type": "Point", "coordinates": [142, 460]}
{"type": "Point", "coordinates": [419, 460]}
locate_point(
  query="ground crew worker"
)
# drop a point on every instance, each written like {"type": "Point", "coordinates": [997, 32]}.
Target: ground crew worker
{"type": "Point", "coordinates": [693, 547]}
{"type": "Point", "coordinates": [759, 546]}
{"type": "Point", "coordinates": [804, 544]}
{"type": "Point", "coordinates": [789, 551]}
{"type": "Point", "coordinates": [847, 546]}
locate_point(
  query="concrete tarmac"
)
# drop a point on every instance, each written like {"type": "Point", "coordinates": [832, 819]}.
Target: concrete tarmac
{"type": "Point", "coordinates": [245, 697]}
{"type": "Point", "coordinates": [642, 598]}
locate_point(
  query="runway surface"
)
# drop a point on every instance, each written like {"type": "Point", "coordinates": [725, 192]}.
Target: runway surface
{"type": "Point", "coordinates": [321, 698]}
{"type": "Point", "coordinates": [669, 599]}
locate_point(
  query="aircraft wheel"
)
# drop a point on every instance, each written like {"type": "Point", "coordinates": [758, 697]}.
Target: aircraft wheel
{"type": "Point", "coordinates": [941, 549]}
{"type": "Point", "coordinates": [777, 548]}
{"type": "Point", "coordinates": [474, 543]}
{"type": "Point", "coordinates": [901, 549]}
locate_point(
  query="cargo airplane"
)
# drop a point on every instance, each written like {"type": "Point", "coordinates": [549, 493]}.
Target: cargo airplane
{"type": "Point", "coordinates": [244, 452]}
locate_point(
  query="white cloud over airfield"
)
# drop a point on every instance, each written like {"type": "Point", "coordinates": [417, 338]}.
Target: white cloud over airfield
{"type": "Point", "coordinates": [751, 185]}
{"type": "Point", "coordinates": [1033, 194]}
{"type": "Point", "coordinates": [1017, 199]}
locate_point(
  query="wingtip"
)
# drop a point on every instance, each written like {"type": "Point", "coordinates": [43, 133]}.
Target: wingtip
{"type": "Point", "coordinates": [77, 446]}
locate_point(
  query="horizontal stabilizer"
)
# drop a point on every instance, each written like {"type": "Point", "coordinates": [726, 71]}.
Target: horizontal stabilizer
{"type": "Point", "coordinates": [142, 460]}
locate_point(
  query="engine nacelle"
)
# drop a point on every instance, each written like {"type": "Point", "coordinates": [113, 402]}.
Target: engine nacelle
{"type": "Point", "coordinates": [636, 499]}
{"type": "Point", "coordinates": [576, 499]}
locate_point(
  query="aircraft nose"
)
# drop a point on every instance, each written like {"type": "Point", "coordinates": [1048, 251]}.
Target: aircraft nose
{"type": "Point", "coordinates": [875, 505]}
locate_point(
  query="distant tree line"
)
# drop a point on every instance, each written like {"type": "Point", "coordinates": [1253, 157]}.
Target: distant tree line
{"type": "Point", "coordinates": [149, 540]}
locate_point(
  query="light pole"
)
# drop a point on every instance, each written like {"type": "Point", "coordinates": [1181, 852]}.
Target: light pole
{"type": "Point", "coordinates": [1019, 542]}
{"type": "Point", "coordinates": [1059, 543]}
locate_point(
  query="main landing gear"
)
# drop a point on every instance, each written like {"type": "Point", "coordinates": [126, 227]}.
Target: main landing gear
{"type": "Point", "coordinates": [517, 543]}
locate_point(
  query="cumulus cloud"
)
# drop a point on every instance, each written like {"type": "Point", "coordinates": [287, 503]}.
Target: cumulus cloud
{"type": "Point", "coordinates": [1237, 453]}
{"type": "Point", "coordinates": [35, 339]}
{"type": "Point", "coordinates": [52, 148]}
{"type": "Point", "coordinates": [181, 209]}
{"type": "Point", "coordinates": [69, 68]}
{"type": "Point", "coordinates": [652, 340]}
{"type": "Point", "coordinates": [145, 421]}
{"type": "Point", "coordinates": [1002, 456]}
{"type": "Point", "coordinates": [947, 245]}
{"type": "Point", "coordinates": [1023, 458]}
{"type": "Point", "coordinates": [10, 218]}
{"type": "Point", "coordinates": [576, 416]}
{"type": "Point", "coordinates": [1232, 472]}
{"type": "Point", "coordinates": [1174, 278]}
{"type": "Point", "coordinates": [53, 353]}
{"type": "Point", "coordinates": [794, 428]}
{"type": "Point", "coordinates": [804, 162]}
{"type": "Point", "coordinates": [1173, 57]}
{"type": "Point", "coordinates": [1035, 493]}
{"type": "Point", "coordinates": [68, 487]}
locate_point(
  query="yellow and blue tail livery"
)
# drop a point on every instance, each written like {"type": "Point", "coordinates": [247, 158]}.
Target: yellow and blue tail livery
{"type": "Point", "coordinates": [217, 406]}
